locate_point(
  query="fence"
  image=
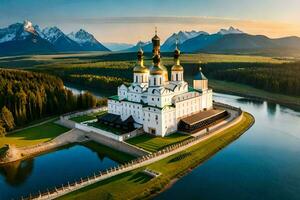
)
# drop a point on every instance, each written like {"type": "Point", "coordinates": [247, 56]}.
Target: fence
{"type": "Point", "coordinates": [134, 164]}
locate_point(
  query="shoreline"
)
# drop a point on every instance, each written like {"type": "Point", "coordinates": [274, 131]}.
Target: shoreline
{"type": "Point", "coordinates": [162, 184]}
{"type": "Point", "coordinates": [290, 105]}
{"type": "Point", "coordinates": [205, 159]}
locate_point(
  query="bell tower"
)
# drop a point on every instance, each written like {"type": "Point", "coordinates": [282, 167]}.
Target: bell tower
{"type": "Point", "coordinates": [177, 69]}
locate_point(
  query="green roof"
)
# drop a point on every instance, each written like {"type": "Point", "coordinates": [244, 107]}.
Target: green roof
{"type": "Point", "coordinates": [115, 97]}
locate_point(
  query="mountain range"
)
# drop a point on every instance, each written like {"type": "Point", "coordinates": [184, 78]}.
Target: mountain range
{"type": "Point", "coordinates": [24, 38]}
{"type": "Point", "coordinates": [227, 41]}
{"type": "Point", "coordinates": [114, 46]}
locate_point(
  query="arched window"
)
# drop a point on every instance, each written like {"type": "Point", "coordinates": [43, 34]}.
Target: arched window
{"type": "Point", "coordinates": [154, 81]}
{"type": "Point", "coordinates": [159, 81]}
{"type": "Point", "coordinates": [136, 78]}
{"type": "Point", "coordinates": [176, 77]}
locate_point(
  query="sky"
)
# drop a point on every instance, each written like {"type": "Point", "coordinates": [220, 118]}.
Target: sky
{"type": "Point", "coordinates": [129, 21]}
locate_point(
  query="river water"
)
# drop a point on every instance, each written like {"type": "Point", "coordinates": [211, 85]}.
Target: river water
{"type": "Point", "coordinates": [262, 164]}
{"type": "Point", "coordinates": [50, 170]}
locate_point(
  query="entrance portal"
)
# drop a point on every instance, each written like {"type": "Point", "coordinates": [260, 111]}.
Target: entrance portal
{"type": "Point", "coordinates": [152, 131]}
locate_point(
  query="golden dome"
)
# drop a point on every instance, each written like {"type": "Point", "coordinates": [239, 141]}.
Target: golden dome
{"type": "Point", "coordinates": [177, 68]}
{"type": "Point", "coordinates": [157, 69]}
{"type": "Point", "coordinates": [140, 69]}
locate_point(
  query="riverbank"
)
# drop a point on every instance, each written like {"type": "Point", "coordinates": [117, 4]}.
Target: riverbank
{"type": "Point", "coordinates": [251, 92]}
{"type": "Point", "coordinates": [31, 135]}
{"type": "Point", "coordinates": [135, 185]}
{"type": "Point", "coordinates": [14, 153]}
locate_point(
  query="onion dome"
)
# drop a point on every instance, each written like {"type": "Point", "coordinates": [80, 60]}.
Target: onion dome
{"type": "Point", "coordinates": [177, 66]}
{"type": "Point", "coordinates": [157, 68]}
{"type": "Point", "coordinates": [155, 38]}
{"type": "Point", "coordinates": [140, 68]}
{"type": "Point", "coordinates": [156, 43]}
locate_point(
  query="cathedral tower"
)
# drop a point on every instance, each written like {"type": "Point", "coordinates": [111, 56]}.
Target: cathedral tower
{"type": "Point", "coordinates": [177, 69]}
{"type": "Point", "coordinates": [140, 72]}
{"type": "Point", "coordinates": [158, 73]}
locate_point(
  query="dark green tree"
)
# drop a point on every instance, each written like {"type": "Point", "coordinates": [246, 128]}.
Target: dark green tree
{"type": "Point", "coordinates": [7, 119]}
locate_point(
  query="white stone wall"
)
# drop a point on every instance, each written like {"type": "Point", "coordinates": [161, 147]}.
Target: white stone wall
{"type": "Point", "coordinates": [152, 120]}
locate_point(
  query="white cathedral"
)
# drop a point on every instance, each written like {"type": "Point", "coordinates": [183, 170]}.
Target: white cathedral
{"type": "Point", "coordinates": [156, 103]}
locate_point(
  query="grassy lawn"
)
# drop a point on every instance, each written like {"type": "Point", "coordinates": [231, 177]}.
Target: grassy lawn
{"type": "Point", "coordinates": [241, 89]}
{"type": "Point", "coordinates": [33, 135]}
{"type": "Point", "coordinates": [87, 117]}
{"type": "Point", "coordinates": [134, 185]}
{"type": "Point", "coordinates": [152, 144]}
{"type": "Point", "coordinates": [113, 154]}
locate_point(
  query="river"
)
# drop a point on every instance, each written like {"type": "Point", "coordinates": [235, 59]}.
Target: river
{"type": "Point", "coordinates": [51, 169]}
{"type": "Point", "coordinates": [262, 164]}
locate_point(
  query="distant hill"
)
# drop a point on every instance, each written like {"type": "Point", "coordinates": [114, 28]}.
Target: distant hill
{"type": "Point", "coordinates": [146, 46]}
{"type": "Point", "coordinates": [242, 43]}
{"type": "Point", "coordinates": [181, 36]}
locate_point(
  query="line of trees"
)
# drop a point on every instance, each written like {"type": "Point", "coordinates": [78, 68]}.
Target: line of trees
{"type": "Point", "coordinates": [27, 96]}
{"type": "Point", "coordinates": [277, 78]}
{"type": "Point", "coordinates": [94, 81]}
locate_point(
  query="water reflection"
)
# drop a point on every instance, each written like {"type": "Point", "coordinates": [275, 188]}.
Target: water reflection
{"type": "Point", "coordinates": [271, 108]}
{"type": "Point", "coordinates": [254, 102]}
{"type": "Point", "coordinates": [262, 164]}
{"type": "Point", "coordinates": [17, 172]}
{"type": "Point", "coordinates": [52, 169]}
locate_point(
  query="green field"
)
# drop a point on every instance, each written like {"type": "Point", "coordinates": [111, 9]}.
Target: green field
{"type": "Point", "coordinates": [33, 135]}
{"type": "Point", "coordinates": [87, 117]}
{"type": "Point", "coordinates": [152, 144]}
{"type": "Point", "coordinates": [135, 185]}
{"type": "Point", "coordinates": [103, 72]}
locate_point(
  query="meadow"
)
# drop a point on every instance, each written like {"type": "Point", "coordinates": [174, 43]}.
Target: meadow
{"type": "Point", "coordinates": [105, 71]}
{"type": "Point", "coordinates": [34, 135]}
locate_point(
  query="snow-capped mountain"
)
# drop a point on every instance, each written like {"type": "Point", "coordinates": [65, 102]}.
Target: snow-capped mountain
{"type": "Point", "coordinates": [87, 41]}
{"type": "Point", "coordinates": [114, 46]}
{"type": "Point", "coordinates": [32, 39]}
{"type": "Point", "coordinates": [17, 31]}
{"type": "Point", "coordinates": [22, 38]}
{"type": "Point", "coordinates": [61, 41]}
{"type": "Point", "coordinates": [182, 36]}
{"type": "Point", "coordinates": [230, 30]}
